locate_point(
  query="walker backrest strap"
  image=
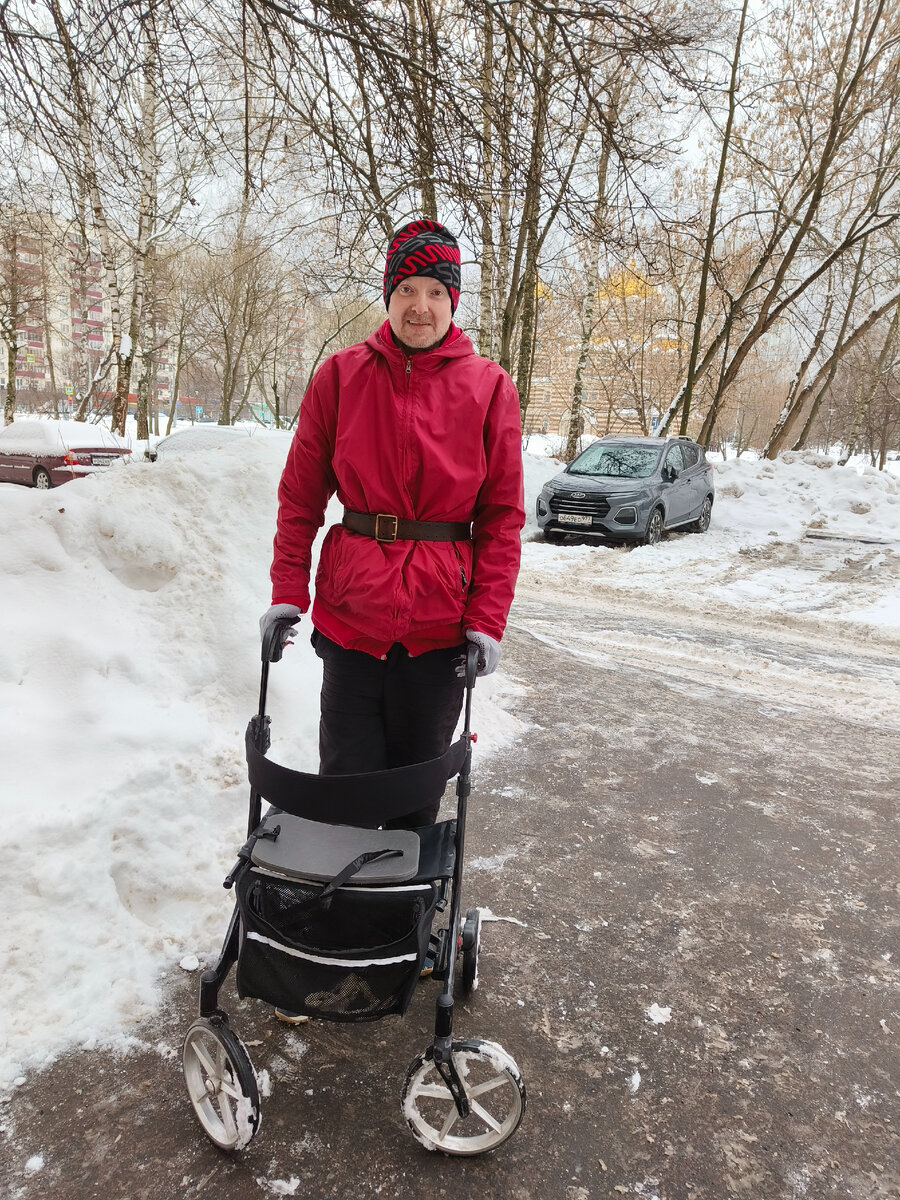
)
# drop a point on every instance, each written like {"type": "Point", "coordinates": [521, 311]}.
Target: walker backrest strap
{"type": "Point", "coordinates": [368, 799]}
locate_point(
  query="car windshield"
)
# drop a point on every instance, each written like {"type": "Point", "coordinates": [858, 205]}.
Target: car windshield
{"type": "Point", "coordinates": [622, 461]}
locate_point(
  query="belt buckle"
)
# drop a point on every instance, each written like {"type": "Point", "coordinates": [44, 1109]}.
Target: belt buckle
{"type": "Point", "coordinates": [379, 536]}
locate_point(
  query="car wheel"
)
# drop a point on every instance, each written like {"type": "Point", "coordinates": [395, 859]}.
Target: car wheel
{"type": "Point", "coordinates": [554, 535]}
{"type": "Point", "coordinates": [42, 479]}
{"type": "Point", "coordinates": [654, 531]}
{"type": "Point", "coordinates": [702, 523]}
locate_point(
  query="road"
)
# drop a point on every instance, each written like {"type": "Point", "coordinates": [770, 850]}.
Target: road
{"type": "Point", "coordinates": [691, 849]}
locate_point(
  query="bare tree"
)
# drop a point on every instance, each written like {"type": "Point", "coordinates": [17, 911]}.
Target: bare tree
{"type": "Point", "coordinates": [238, 287]}
{"type": "Point", "coordinates": [93, 91]}
{"type": "Point", "coordinates": [821, 177]}
{"type": "Point", "coordinates": [463, 109]}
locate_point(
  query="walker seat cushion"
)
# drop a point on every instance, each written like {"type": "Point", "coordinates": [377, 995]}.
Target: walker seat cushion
{"type": "Point", "coordinates": [318, 852]}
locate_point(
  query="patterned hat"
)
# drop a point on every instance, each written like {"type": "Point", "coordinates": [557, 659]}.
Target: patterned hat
{"type": "Point", "coordinates": [423, 247]}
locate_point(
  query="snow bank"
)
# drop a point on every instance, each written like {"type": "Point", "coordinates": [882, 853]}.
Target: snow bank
{"type": "Point", "coordinates": [127, 679]}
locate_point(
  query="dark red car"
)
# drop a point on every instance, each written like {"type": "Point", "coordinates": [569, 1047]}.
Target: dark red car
{"type": "Point", "coordinates": [42, 454]}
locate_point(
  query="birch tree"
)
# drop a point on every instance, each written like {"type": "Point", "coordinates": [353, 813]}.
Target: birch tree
{"type": "Point", "coordinates": [90, 89]}
{"type": "Point", "coordinates": [21, 292]}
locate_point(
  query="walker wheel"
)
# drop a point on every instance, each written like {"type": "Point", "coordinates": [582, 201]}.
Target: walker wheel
{"type": "Point", "coordinates": [471, 943]}
{"type": "Point", "coordinates": [221, 1084]}
{"type": "Point", "coordinates": [493, 1087]}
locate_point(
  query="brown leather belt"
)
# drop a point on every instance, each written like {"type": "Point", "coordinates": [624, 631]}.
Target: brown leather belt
{"type": "Point", "coordinates": [384, 527]}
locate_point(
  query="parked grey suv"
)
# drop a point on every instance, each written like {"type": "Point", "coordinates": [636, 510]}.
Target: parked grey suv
{"type": "Point", "coordinates": [630, 489]}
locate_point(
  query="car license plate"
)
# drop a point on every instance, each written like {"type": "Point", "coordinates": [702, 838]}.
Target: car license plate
{"type": "Point", "coordinates": [101, 460]}
{"type": "Point", "coordinates": [574, 518]}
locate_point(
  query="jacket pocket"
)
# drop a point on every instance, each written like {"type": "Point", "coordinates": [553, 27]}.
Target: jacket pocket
{"type": "Point", "coordinates": [463, 554]}
{"type": "Point", "coordinates": [331, 573]}
{"type": "Point", "coordinates": [434, 582]}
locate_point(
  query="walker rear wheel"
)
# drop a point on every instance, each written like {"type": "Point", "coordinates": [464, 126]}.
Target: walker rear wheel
{"type": "Point", "coordinates": [471, 943]}
{"type": "Point", "coordinates": [221, 1084]}
{"type": "Point", "coordinates": [493, 1087]}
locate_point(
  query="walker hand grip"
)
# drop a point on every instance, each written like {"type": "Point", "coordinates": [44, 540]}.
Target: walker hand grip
{"type": "Point", "coordinates": [273, 640]}
{"type": "Point", "coordinates": [472, 656]}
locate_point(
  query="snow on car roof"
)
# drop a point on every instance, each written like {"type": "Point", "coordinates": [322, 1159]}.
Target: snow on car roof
{"type": "Point", "coordinates": [201, 437]}
{"type": "Point", "coordinates": [37, 437]}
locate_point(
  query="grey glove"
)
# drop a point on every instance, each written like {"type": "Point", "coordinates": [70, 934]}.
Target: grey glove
{"type": "Point", "coordinates": [488, 651]}
{"type": "Point", "coordinates": [272, 614]}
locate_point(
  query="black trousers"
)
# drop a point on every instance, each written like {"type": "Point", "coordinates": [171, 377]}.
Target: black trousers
{"type": "Point", "coordinates": [382, 713]}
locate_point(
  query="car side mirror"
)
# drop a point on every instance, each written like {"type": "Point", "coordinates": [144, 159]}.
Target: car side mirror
{"type": "Point", "coordinates": [669, 474]}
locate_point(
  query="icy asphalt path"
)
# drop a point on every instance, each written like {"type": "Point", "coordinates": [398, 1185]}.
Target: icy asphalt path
{"type": "Point", "coordinates": [786, 665]}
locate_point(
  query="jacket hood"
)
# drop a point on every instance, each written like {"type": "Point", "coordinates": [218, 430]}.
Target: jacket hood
{"type": "Point", "coordinates": [455, 345]}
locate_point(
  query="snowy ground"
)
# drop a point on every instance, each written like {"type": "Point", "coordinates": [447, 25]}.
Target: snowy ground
{"type": "Point", "coordinates": [129, 667]}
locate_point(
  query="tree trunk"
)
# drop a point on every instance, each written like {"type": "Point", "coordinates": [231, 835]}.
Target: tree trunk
{"type": "Point", "coordinates": [711, 229]}
{"type": "Point", "coordinates": [488, 251]}
{"type": "Point", "coordinates": [276, 402]}
{"type": "Point", "coordinates": [712, 415]}
{"type": "Point", "coordinates": [587, 316]}
{"type": "Point", "coordinates": [90, 193]}
{"type": "Point", "coordinates": [143, 394]}
{"type": "Point", "coordinates": [592, 279]}
{"type": "Point", "coordinates": [9, 406]}
{"type": "Point", "coordinates": [146, 216]}
{"type": "Point", "coordinates": [883, 435]}
{"type": "Point", "coordinates": [423, 61]}
{"type": "Point", "coordinates": [176, 381]}
{"type": "Point", "coordinates": [802, 371]}
{"type": "Point", "coordinates": [229, 383]}
{"type": "Point", "coordinates": [527, 338]}
{"type": "Point", "coordinates": [11, 330]}
{"type": "Point", "coordinates": [525, 268]}
{"type": "Point", "coordinates": [48, 333]}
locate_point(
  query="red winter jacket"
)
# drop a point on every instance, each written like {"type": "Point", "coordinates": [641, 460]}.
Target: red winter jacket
{"type": "Point", "coordinates": [431, 437]}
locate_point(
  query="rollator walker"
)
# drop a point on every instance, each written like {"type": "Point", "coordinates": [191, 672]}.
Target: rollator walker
{"type": "Point", "coordinates": [334, 920]}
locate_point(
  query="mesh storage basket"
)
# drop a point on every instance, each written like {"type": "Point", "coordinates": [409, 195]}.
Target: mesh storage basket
{"type": "Point", "coordinates": [353, 954]}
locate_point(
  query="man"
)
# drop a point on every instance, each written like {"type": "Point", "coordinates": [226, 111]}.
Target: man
{"type": "Point", "coordinates": [420, 438]}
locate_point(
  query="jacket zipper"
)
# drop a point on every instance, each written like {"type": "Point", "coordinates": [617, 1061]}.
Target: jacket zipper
{"type": "Point", "coordinates": [462, 569]}
{"type": "Point", "coordinates": [407, 372]}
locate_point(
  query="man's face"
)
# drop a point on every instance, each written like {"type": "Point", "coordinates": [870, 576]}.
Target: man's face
{"type": "Point", "coordinates": [419, 312]}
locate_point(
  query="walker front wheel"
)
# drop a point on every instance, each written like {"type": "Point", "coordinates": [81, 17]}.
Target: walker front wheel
{"type": "Point", "coordinates": [221, 1084]}
{"type": "Point", "coordinates": [493, 1088]}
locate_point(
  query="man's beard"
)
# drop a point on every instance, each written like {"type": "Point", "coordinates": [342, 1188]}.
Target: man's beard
{"type": "Point", "coordinates": [407, 350]}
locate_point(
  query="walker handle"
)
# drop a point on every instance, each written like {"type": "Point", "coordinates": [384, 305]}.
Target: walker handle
{"type": "Point", "coordinates": [273, 641]}
{"type": "Point", "coordinates": [472, 656]}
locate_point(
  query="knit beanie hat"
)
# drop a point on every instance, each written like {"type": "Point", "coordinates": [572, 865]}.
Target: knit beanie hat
{"type": "Point", "coordinates": [423, 247]}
